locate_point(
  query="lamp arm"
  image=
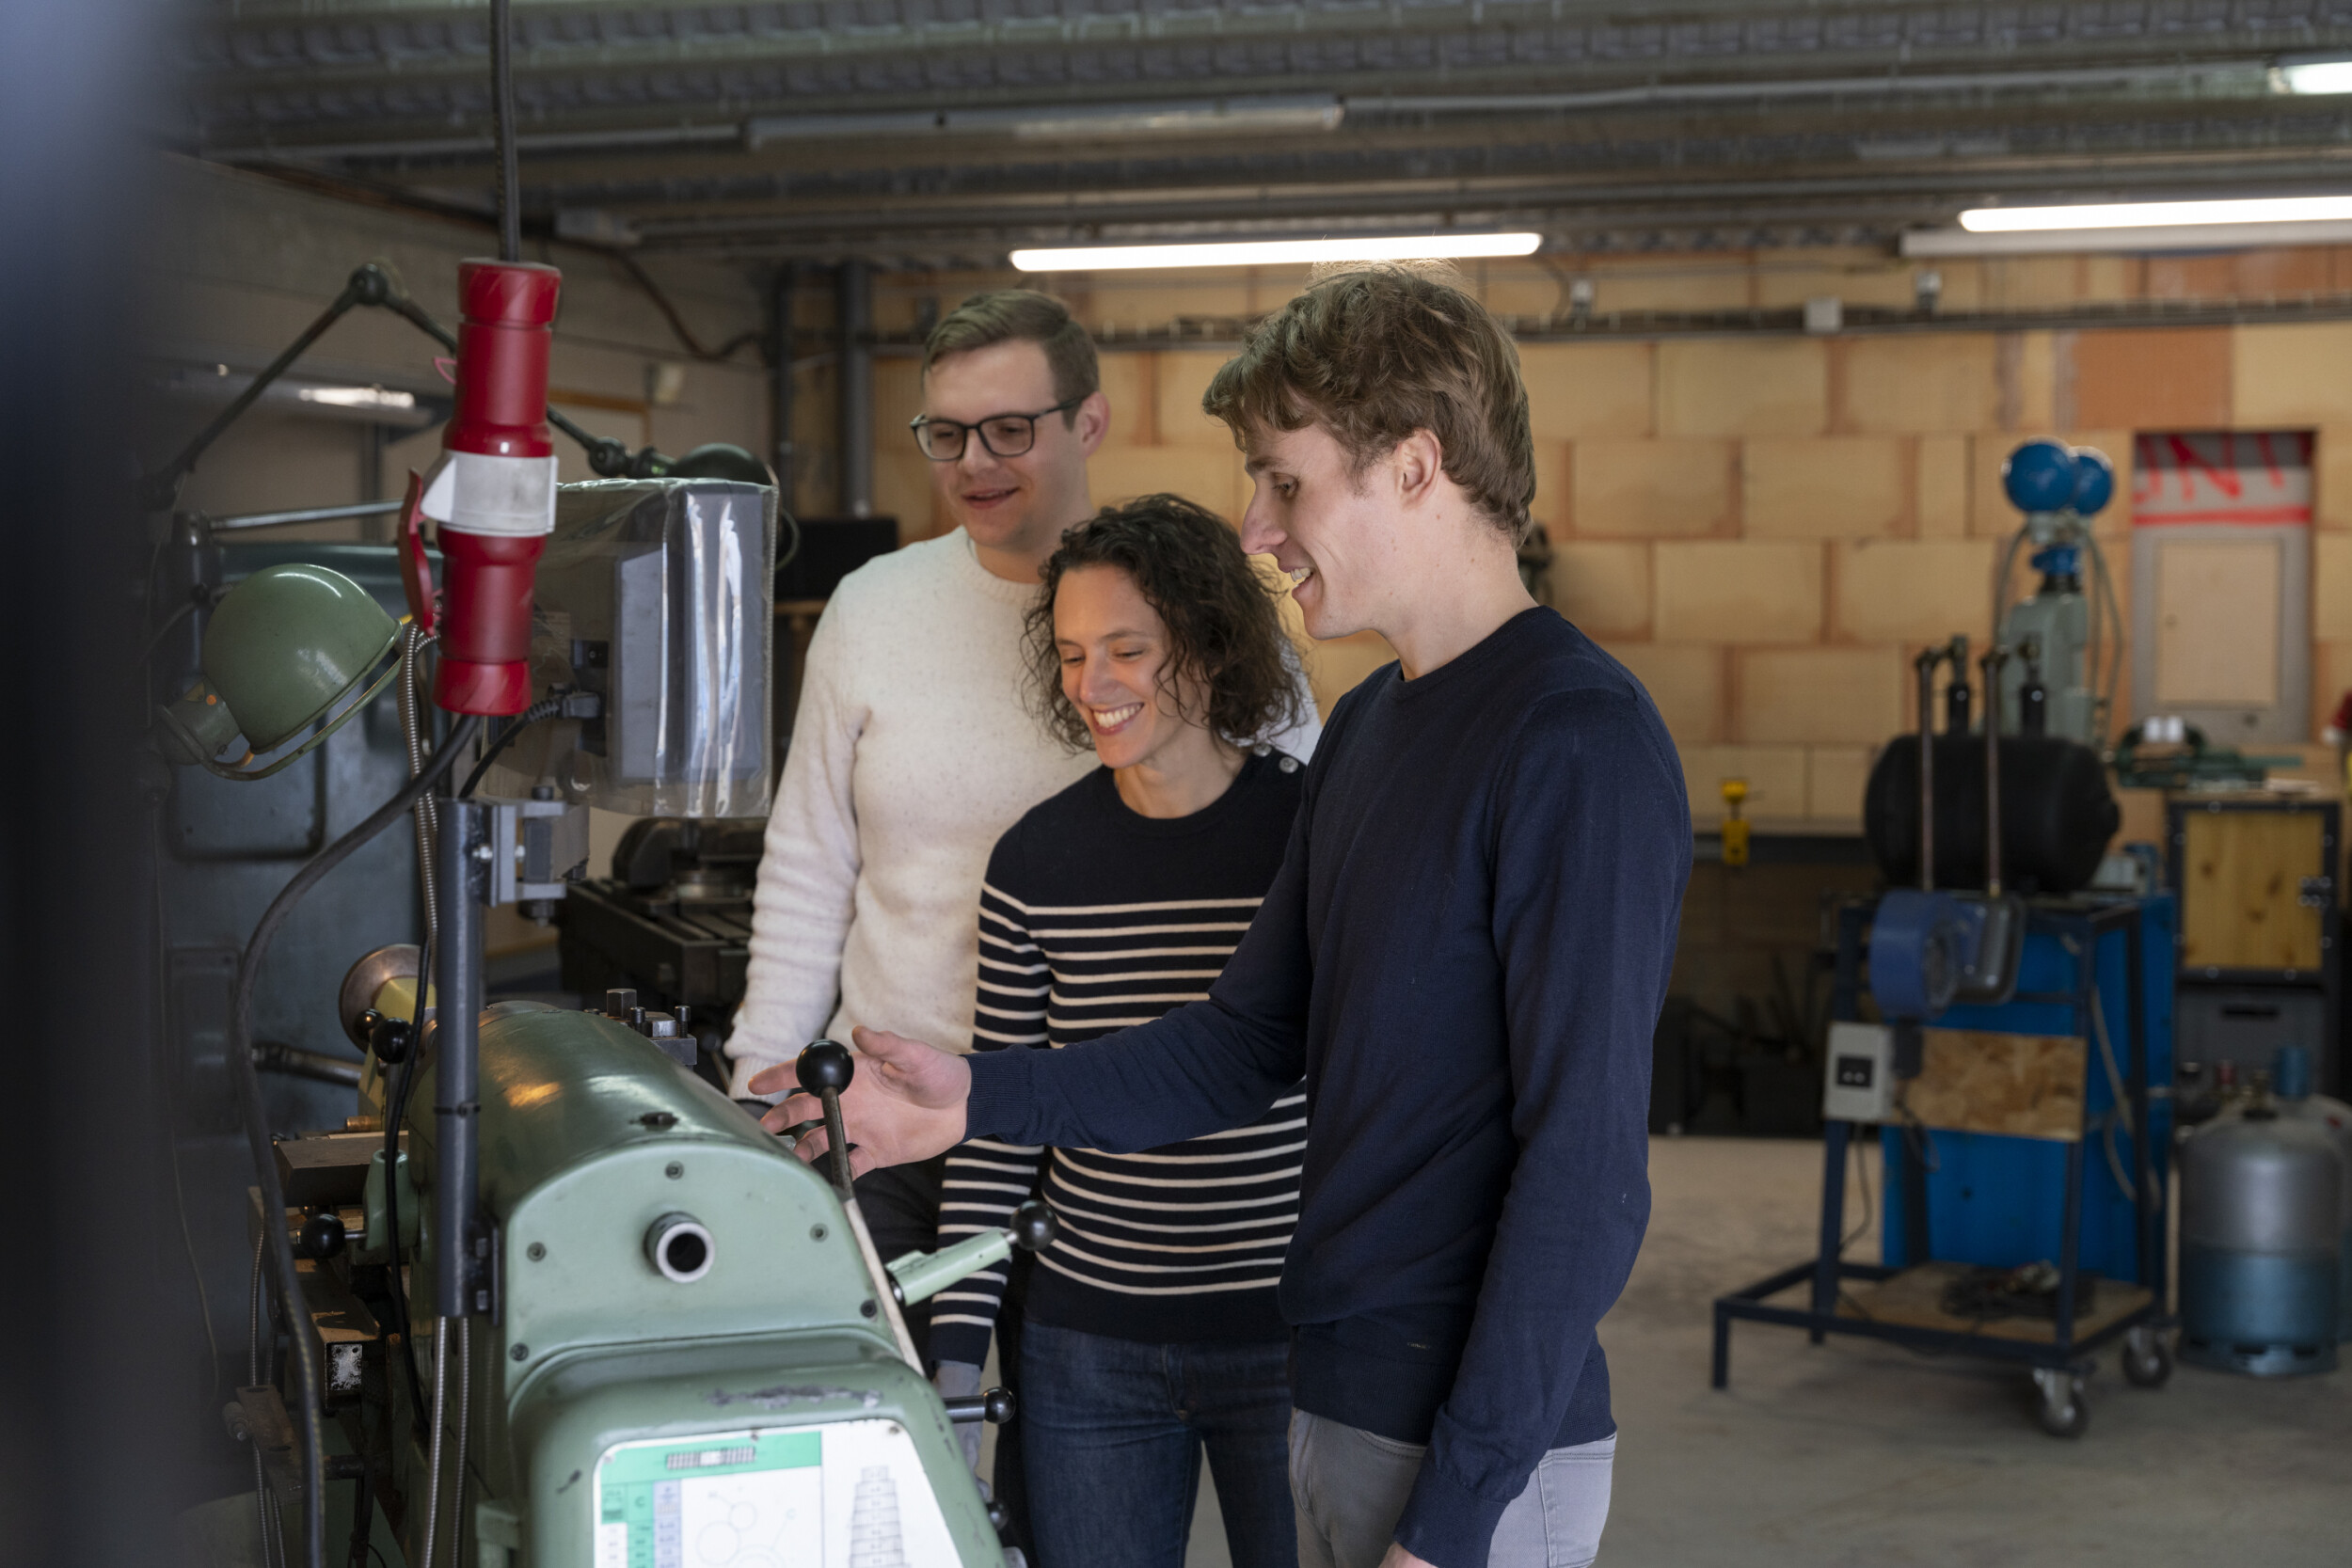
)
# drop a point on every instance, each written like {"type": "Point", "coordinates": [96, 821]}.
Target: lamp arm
{"type": "Point", "coordinates": [374, 283]}
{"type": "Point", "coordinates": [160, 488]}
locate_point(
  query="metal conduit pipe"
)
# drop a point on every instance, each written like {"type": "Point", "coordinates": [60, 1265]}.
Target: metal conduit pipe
{"type": "Point", "coordinates": [433, 1451]}
{"type": "Point", "coordinates": [779, 406]}
{"type": "Point", "coordinates": [856, 318]}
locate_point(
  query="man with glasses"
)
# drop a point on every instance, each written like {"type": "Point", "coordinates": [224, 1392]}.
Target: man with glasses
{"type": "Point", "coordinates": [911, 752]}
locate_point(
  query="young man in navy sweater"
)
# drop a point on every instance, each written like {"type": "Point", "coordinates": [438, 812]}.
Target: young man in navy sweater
{"type": "Point", "coordinates": [1464, 955]}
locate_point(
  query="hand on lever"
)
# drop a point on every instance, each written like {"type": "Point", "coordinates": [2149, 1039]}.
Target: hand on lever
{"type": "Point", "coordinates": [905, 1103]}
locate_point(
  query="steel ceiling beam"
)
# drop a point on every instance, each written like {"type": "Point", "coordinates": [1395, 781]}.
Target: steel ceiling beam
{"type": "Point", "coordinates": [413, 65]}
{"type": "Point", "coordinates": [840, 128]}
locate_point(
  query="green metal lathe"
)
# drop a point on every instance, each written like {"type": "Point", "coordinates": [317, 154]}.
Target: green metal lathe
{"type": "Point", "coordinates": [693, 1355]}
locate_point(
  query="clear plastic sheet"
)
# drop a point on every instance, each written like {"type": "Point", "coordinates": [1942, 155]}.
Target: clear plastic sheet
{"type": "Point", "coordinates": [659, 596]}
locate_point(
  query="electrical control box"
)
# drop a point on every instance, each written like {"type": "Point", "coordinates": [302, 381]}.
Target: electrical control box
{"type": "Point", "coordinates": [1858, 1082]}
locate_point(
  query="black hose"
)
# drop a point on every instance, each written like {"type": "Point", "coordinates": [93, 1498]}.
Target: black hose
{"type": "Point", "coordinates": [395, 1112]}
{"type": "Point", "coordinates": [503, 124]}
{"type": "Point", "coordinates": [307, 1378]}
{"type": "Point", "coordinates": [545, 707]}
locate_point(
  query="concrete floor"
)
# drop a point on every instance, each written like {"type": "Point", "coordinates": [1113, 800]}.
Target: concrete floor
{"type": "Point", "coordinates": [1854, 1454]}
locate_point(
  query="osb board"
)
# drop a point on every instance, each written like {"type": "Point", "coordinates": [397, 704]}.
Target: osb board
{"type": "Point", "coordinates": [2242, 886]}
{"type": "Point", "coordinates": [1914, 1298]}
{"type": "Point", "coordinates": [2019, 1085]}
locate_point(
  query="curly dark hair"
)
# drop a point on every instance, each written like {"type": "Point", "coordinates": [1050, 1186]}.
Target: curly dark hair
{"type": "Point", "coordinates": [1222, 627]}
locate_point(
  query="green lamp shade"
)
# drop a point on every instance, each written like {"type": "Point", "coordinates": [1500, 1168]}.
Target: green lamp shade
{"type": "Point", "coordinates": [284, 645]}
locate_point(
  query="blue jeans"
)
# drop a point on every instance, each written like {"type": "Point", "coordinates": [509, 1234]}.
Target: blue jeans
{"type": "Point", "coordinates": [1111, 1432]}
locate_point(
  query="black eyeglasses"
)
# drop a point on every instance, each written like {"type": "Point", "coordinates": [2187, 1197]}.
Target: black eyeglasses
{"type": "Point", "coordinates": [1003, 435]}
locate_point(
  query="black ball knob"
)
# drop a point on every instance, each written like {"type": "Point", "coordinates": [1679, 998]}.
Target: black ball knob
{"type": "Point", "coordinates": [371, 285]}
{"type": "Point", "coordinates": [387, 1036]}
{"type": "Point", "coordinates": [825, 1065]}
{"type": "Point", "coordinates": [322, 1235]}
{"type": "Point", "coordinates": [1034, 1227]}
{"type": "Point", "coordinates": [996, 1406]}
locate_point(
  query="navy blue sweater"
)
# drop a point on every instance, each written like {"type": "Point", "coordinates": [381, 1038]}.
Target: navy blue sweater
{"type": "Point", "coordinates": [1464, 954]}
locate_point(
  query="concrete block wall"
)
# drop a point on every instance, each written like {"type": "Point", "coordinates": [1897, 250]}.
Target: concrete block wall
{"type": "Point", "coordinates": [1766, 530]}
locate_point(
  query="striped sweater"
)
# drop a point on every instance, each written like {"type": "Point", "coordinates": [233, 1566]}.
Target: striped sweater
{"type": "Point", "coordinates": [1094, 918]}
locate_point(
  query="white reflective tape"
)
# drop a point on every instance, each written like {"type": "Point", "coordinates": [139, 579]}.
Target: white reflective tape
{"type": "Point", "coordinates": [477, 493]}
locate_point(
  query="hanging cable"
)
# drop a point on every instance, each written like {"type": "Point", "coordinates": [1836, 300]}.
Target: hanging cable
{"type": "Point", "coordinates": [395, 1113]}
{"type": "Point", "coordinates": [2104, 583]}
{"type": "Point", "coordinates": [502, 126]}
{"type": "Point", "coordinates": [1860, 1160]}
{"type": "Point", "coordinates": [2001, 575]}
{"type": "Point", "coordinates": [545, 707]}
{"type": "Point", "coordinates": [308, 1377]}
{"type": "Point", "coordinates": [2122, 1112]}
{"type": "Point", "coordinates": [264, 1526]}
{"type": "Point", "coordinates": [428, 815]}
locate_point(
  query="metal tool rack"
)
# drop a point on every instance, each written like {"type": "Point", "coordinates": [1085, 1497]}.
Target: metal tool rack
{"type": "Point", "coordinates": [2060, 1363]}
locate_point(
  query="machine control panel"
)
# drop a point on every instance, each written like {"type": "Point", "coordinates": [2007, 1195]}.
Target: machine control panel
{"type": "Point", "coordinates": [1859, 1082]}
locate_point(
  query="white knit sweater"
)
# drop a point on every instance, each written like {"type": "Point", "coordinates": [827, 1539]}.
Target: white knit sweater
{"type": "Point", "coordinates": [911, 753]}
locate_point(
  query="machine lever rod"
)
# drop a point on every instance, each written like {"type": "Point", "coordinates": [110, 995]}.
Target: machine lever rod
{"type": "Point", "coordinates": [1926, 666]}
{"type": "Point", "coordinates": [1995, 658]}
{"type": "Point", "coordinates": [824, 1068]}
{"type": "Point", "coordinates": [993, 1405]}
{"type": "Point", "coordinates": [457, 1065]}
{"type": "Point", "coordinates": [300, 515]}
{"type": "Point", "coordinates": [837, 1143]}
{"type": "Point", "coordinates": [920, 1275]}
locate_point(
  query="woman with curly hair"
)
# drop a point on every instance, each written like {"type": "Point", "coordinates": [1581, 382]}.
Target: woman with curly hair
{"type": "Point", "coordinates": [1151, 1330]}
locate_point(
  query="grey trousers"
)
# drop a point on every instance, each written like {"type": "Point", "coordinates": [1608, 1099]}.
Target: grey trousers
{"type": "Point", "coordinates": [1348, 1488]}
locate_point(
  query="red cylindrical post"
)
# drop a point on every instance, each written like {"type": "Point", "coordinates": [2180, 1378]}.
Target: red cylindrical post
{"type": "Point", "coordinates": [494, 491]}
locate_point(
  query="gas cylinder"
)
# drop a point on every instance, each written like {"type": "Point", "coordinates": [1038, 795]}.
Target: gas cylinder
{"type": "Point", "coordinates": [2292, 1084]}
{"type": "Point", "coordinates": [2259, 1244]}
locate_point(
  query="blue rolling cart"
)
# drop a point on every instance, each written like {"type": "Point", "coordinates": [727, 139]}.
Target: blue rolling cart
{"type": "Point", "coordinates": [2098, 970]}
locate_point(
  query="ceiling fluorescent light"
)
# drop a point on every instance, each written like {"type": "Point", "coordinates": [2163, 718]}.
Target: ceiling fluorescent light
{"type": "Point", "coordinates": [2167, 237]}
{"type": "Point", "coordinates": [2313, 73]}
{"type": "Point", "coordinates": [1275, 253]}
{"type": "Point", "coordinates": [357, 397]}
{"type": "Point", "coordinates": [2158, 215]}
{"type": "Point", "coordinates": [1231, 114]}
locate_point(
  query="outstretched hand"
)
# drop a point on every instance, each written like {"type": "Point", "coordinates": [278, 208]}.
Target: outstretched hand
{"type": "Point", "coordinates": [905, 1103]}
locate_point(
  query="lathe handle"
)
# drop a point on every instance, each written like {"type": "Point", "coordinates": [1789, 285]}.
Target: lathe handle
{"type": "Point", "coordinates": [825, 1069]}
{"type": "Point", "coordinates": [920, 1275]}
{"type": "Point", "coordinates": [993, 1405]}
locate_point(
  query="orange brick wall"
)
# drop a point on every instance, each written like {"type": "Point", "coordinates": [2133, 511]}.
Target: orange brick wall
{"type": "Point", "coordinates": [1767, 529]}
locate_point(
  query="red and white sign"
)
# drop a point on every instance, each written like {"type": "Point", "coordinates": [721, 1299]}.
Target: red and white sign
{"type": "Point", "coordinates": [2254, 479]}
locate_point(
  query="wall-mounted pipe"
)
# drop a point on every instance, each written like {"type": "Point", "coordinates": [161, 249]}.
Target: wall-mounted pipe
{"type": "Point", "coordinates": [781, 373]}
{"type": "Point", "coordinates": [856, 326]}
